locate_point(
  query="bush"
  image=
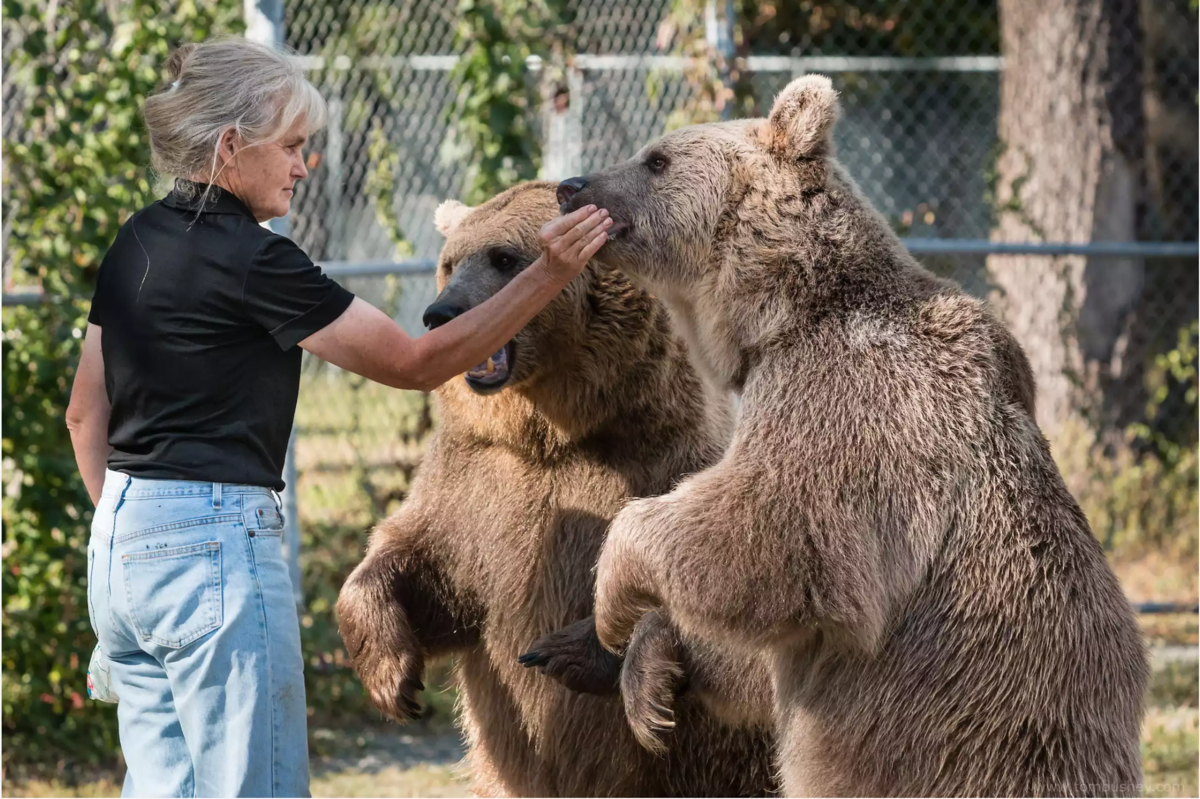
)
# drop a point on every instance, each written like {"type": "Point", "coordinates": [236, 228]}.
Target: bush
{"type": "Point", "coordinates": [1141, 492]}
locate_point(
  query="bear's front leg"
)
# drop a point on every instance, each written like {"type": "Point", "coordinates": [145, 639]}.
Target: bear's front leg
{"type": "Point", "coordinates": [386, 654]}
{"type": "Point", "coordinates": [626, 585]}
{"type": "Point", "coordinates": [651, 678]}
{"type": "Point", "coordinates": [734, 560]}
{"type": "Point", "coordinates": [397, 609]}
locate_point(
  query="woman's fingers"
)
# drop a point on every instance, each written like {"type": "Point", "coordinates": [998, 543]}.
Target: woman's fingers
{"type": "Point", "coordinates": [561, 224]}
{"type": "Point", "coordinates": [579, 231]}
{"type": "Point", "coordinates": [569, 241]}
{"type": "Point", "coordinates": [592, 247]}
{"type": "Point", "coordinates": [564, 244]}
{"type": "Point", "coordinates": [575, 250]}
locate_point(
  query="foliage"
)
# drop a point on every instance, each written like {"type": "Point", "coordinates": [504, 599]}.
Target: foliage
{"type": "Point", "coordinates": [495, 110]}
{"type": "Point", "coordinates": [920, 28]}
{"type": "Point", "coordinates": [1141, 493]}
{"type": "Point", "coordinates": [1174, 372]}
{"type": "Point", "coordinates": [74, 171]}
{"type": "Point", "coordinates": [915, 28]}
{"type": "Point", "coordinates": [384, 158]}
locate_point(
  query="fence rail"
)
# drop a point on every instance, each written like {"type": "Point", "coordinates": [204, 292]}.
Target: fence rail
{"type": "Point", "coordinates": [921, 86]}
{"type": "Point", "coordinates": [1101, 249]}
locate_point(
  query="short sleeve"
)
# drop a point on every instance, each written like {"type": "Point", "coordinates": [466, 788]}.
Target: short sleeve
{"type": "Point", "coordinates": [96, 312]}
{"type": "Point", "coordinates": [288, 294]}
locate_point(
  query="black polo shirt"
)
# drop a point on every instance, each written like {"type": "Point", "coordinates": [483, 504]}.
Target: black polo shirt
{"type": "Point", "coordinates": [201, 311]}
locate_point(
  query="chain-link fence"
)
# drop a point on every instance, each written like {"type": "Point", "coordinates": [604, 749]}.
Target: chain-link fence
{"type": "Point", "coordinates": [931, 97]}
{"type": "Point", "coordinates": [976, 128]}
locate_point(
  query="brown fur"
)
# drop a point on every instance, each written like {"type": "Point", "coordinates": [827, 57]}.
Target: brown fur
{"type": "Point", "coordinates": [657, 667]}
{"type": "Point", "coordinates": [888, 525]}
{"type": "Point", "coordinates": [497, 543]}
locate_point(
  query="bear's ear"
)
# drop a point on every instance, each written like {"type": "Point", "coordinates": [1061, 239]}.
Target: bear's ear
{"type": "Point", "coordinates": [801, 121]}
{"type": "Point", "coordinates": [448, 216]}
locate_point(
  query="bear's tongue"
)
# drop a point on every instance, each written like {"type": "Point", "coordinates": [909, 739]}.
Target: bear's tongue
{"type": "Point", "coordinates": [494, 367]}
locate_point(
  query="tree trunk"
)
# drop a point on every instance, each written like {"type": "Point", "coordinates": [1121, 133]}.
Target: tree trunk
{"type": "Point", "coordinates": [1072, 131]}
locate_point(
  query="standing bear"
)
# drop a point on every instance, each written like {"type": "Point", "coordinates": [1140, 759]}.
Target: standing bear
{"type": "Point", "coordinates": [887, 524]}
{"type": "Point", "coordinates": [593, 402]}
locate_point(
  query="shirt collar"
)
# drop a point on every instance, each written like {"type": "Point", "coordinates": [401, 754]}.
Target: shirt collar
{"type": "Point", "coordinates": [219, 201]}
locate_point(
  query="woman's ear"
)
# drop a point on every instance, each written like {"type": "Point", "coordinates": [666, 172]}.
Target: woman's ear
{"type": "Point", "coordinates": [227, 147]}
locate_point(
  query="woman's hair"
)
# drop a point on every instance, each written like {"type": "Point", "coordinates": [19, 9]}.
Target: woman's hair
{"type": "Point", "coordinates": [222, 84]}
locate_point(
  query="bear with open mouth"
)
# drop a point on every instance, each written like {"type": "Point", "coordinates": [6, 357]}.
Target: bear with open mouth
{"type": "Point", "coordinates": [594, 402]}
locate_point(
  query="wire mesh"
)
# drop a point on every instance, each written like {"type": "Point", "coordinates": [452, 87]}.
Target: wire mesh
{"type": "Point", "coordinates": [922, 86]}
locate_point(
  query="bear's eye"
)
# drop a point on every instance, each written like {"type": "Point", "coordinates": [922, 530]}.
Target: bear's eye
{"type": "Point", "coordinates": [656, 163]}
{"type": "Point", "coordinates": [504, 260]}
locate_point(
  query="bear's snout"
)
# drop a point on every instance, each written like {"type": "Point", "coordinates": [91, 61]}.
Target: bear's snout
{"type": "Point", "coordinates": [567, 191]}
{"type": "Point", "coordinates": [440, 313]}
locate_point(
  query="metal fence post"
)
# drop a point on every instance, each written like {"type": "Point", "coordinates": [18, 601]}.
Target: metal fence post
{"type": "Point", "coordinates": [291, 520]}
{"type": "Point", "coordinates": [334, 165]}
{"type": "Point", "coordinates": [562, 154]}
{"type": "Point", "coordinates": [264, 23]}
{"type": "Point", "coordinates": [718, 28]}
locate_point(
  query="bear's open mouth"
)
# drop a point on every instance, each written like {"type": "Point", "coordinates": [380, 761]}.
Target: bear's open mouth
{"type": "Point", "coordinates": [491, 375]}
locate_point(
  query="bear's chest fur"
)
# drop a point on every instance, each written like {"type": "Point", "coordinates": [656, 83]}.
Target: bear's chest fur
{"type": "Point", "coordinates": [529, 533]}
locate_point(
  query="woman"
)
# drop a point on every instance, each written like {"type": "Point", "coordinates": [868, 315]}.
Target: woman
{"type": "Point", "coordinates": [182, 407]}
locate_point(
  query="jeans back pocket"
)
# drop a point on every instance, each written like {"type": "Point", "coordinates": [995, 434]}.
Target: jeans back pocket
{"type": "Point", "coordinates": [175, 593]}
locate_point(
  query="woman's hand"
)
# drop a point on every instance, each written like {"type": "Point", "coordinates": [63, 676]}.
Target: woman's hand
{"type": "Point", "coordinates": [570, 241]}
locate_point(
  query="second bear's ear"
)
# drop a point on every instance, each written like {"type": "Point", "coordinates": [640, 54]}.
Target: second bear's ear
{"type": "Point", "coordinates": [801, 121]}
{"type": "Point", "coordinates": [448, 216]}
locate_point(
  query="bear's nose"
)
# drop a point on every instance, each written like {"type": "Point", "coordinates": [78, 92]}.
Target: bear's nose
{"type": "Point", "coordinates": [440, 313]}
{"type": "Point", "coordinates": [569, 188]}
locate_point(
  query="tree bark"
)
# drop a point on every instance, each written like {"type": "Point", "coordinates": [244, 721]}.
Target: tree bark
{"type": "Point", "coordinates": [1071, 169]}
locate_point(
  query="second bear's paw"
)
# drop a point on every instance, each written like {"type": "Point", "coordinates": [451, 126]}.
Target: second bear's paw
{"type": "Point", "coordinates": [573, 657]}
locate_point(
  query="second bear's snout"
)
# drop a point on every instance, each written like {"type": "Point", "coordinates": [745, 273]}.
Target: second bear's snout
{"type": "Point", "coordinates": [567, 191]}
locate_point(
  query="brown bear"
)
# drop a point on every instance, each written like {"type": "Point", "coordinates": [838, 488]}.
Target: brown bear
{"type": "Point", "coordinates": [887, 525]}
{"type": "Point", "coordinates": [592, 403]}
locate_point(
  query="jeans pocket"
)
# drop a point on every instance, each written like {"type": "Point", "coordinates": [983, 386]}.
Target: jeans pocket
{"type": "Point", "coordinates": [175, 594]}
{"type": "Point", "coordinates": [270, 522]}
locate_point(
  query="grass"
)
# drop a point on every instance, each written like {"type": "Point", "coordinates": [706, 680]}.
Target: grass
{"type": "Point", "coordinates": [420, 780]}
{"type": "Point", "coordinates": [1169, 747]}
{"type": "Point", "coordinates": [423, 759]}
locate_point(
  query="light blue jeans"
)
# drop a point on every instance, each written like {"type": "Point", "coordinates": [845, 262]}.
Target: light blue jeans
{"type": "Point", "coordinates": [191, 599]}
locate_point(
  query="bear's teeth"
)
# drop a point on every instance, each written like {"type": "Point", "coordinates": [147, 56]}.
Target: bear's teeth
{"type": "Point", "coordinates": [491, 366]}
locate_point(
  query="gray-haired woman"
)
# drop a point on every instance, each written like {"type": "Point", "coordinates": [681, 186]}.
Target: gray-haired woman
{"type": "Point", "coordinates": [181, 410]}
